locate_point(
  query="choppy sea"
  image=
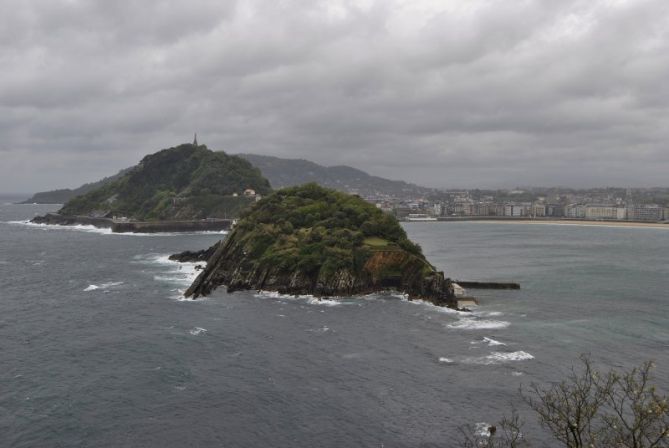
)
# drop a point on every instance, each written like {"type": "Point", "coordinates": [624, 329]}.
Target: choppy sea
{"type": "Point", "coordinates": [99, 349]}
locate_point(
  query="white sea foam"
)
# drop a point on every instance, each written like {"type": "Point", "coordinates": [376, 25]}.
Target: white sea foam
{"type": "Point", "coordinates": [108, 231]}
{"type": "Point", "coordinates": [516, 373]}
{"type": "Point", "coordinates": [177, 272]}
{"type": "Point", "coordinates": [197, 331]}
{"type": "Point", "coordinates": [433, 307]}
{"type": "Point", "coordinates": [79, 227]}
{"type": "Point", "coordinates": [103, 286]}
{"type": "Point", "coordinates": [510, 356]}
{"type": "Point", "coordinates": [492, 342]}
{"type": "Point", "coordinates": [489, 341]}
{"type": "Point", "coordinates": [472, 323]}
{"type": "Point", "coordinates": [270, 295]}
{"type": "Point", "coordinates": [173, 272]}
{"type": "Point", "coordinates": [180, 297]}
{"type": "Point", "coordinates": [498, 358]}
{"type": "Point", "coordinates": [401, 296]}
{"type": "Point", "coordinates": [323, 302]}
{"type": "Point", "coordinates": [446, 360]}
{"type": "Point", "coordinates": [309, 299]}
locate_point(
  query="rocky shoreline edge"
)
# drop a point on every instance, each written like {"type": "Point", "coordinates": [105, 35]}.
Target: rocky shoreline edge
{"type": "Point", "coordinates": [207, 225]}
{"type": "Point", "coordinates": [219, 271]}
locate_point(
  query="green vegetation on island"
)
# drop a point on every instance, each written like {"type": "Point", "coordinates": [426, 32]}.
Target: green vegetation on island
{"type": "Point", "coordinates": [313, 240]}
{"type": "Point", "coordinates": [181, 183]}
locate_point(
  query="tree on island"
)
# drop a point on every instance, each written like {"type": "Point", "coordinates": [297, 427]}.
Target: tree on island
{"type": "Point", "coordinates": [588, 410]}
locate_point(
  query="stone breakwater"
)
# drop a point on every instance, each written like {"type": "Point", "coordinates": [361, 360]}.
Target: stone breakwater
{"type": "Point", "coordinates": [208, 225]}
{"type": "Point", "coordinates": [488, 285]}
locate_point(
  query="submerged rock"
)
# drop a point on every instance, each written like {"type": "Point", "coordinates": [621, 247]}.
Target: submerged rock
{"type": "Point", "coordinates": [311, 240]}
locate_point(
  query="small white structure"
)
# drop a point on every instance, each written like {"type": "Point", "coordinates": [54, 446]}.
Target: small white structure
{"type": "Point", "coordinates": [458, 290]}
{"type": "Point", "coordinates": [420, 217]}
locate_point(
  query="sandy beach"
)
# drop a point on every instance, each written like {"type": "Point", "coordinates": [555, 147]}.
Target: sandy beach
{"type": "Point", "coordinates": [566, 222]}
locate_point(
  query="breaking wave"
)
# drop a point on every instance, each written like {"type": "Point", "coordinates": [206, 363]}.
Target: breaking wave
{"type": "Point", "coordinates": [176, 273]}
{"type": "Point", "coordinates": [489, 341]}
{"type": "Point", "coordinates": [432, 306]}
{"type": "Point", "coordinates": [77, 228]}
{"type": "Point", "coordinates": [103, 286]}
{"type": "Point", "coordinates": [498, 358]}
{"type": "Point", "coordinates": [108, 231]}
{"type": "Point", "coordinates": [308, 298]}
{"type": "Point", "coordinates": [472, 323]}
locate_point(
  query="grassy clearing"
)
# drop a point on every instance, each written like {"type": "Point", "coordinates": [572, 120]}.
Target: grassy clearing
{"type": "Point", "coordinates": [376, 242]}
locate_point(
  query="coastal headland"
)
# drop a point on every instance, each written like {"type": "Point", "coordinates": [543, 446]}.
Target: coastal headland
{"type": "Point", "coordinates": [186, 188]}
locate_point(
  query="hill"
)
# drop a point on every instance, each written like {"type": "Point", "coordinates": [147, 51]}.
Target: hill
{"type": "Point", "coordinates": [290, 172]}
{"type": "Point", "coordinates": [180, 183]}
{"type": "Point", "coordinates": [313, 240]}
{"type": "Point", "coordinates": [280, 173]}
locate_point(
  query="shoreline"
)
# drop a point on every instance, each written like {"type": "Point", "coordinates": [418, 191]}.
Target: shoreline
{"type": "Point", "coordinates": [135, 226]}
{"type": "Point", "coordinates": [569, 222]}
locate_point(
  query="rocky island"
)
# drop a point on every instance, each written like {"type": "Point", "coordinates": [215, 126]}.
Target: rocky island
{"type": "Point", "coordinates": [313, 240]}
{"type": "Point", "coordinates": [187, 187]}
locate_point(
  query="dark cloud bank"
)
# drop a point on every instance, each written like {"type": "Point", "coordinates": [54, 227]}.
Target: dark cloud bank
{"type": "Point", "coordinates": [442, 93]}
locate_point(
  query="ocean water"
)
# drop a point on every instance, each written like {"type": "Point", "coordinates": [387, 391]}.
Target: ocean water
{"type": "Point", "coordinates": [98, 350]}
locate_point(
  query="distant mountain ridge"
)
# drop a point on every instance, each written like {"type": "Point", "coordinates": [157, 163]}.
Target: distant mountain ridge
{"type": "Point", "coordinates": [63, 195]}
{"type": "Point", "coordinates": [281, 173]}
{"type": "Point", "coordinates": [290, 172]}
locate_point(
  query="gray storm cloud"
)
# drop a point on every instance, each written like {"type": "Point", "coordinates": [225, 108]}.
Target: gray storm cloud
{"type": "Point", "coordinates": [481, 93]}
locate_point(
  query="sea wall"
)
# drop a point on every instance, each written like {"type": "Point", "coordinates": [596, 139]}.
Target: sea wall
{"type": "Point", "coordinates": [209, 225]}
{"type": "Point", "coordinates": [488, 285]}
{"type": "Point", "coordinates": [172, 226]}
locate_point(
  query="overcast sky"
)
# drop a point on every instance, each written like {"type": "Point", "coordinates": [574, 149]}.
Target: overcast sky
{"type": "Point", "coordinates": [446, 93]}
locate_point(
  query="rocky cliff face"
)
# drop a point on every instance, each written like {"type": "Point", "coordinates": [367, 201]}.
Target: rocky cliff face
{"type": "Point", "coordinates": [285, 252]}
{"type": "Point", "coordinates": [195, 256]}
{"type": "Point", "coordinates": [384, 270]}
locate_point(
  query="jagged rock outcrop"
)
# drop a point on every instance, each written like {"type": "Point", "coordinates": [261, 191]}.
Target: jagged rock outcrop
{"type": "Point", "coordinates": [311, 240]}
{"type": "Point", "coordinates": [188, 256]}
